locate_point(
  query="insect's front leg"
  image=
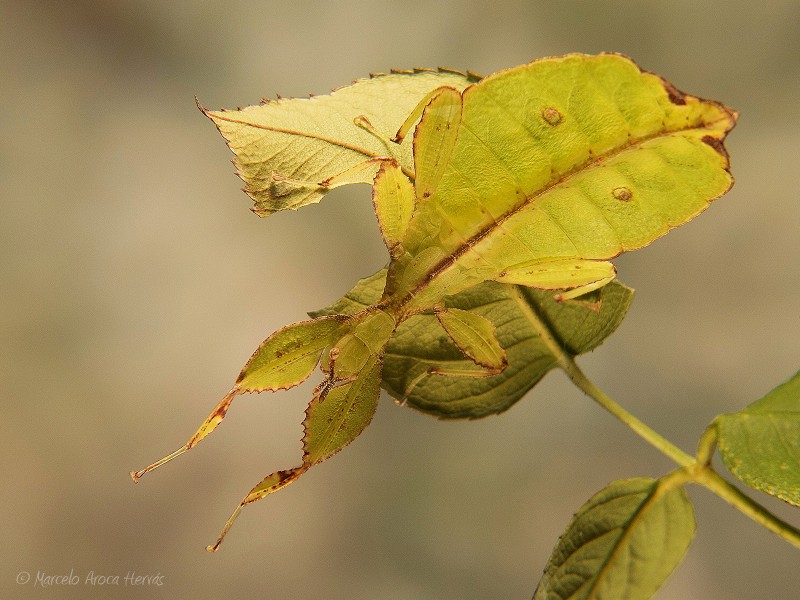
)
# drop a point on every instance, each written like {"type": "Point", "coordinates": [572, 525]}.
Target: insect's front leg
{"type": "Point", "coordinates": [576, 276]}
{"type": "Point", "coordinates": [466, 369]}
{"type": "Point", "coordinates": [474, 336]}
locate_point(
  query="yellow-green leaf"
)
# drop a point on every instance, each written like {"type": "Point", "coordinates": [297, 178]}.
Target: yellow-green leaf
{"type": "Point", "coordinates": [760, 445]}
{"type": "Point", "coordinates": [574, 157]}
{"type": "Point", "coordinates": [288, 356]}
{"type": "Point", "coordinates": [289, 152]}
{"type": "Point", "coordinates": [622, 544]}
{"type": "Point", "coordinates": [475, 337]}
{"type": "Point", "coordinates": [393, 201]}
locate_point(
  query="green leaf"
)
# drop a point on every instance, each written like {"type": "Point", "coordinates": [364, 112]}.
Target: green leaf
{"type": "Point", "coordinates": [760, 445]}
{"type": "Point", "coordinates": [622, 544]}
{"type": "Point", "coordinates": [517, 314]}
{"type": "Point", "coordinates": [290, 152]}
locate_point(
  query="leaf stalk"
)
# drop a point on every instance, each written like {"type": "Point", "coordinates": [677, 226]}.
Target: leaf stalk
{"type": "Point", "coordinates": [712, 481]}
{"type": "Point", "coordinates": [695, 470]}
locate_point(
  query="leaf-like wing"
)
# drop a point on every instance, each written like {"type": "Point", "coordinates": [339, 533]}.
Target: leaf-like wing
{"type": "Point", "coordinates": [518, 314]}
{"type": "Point", "coordinates": [288, 151]}
{"type": "Point", "coordinates": [623, 543]}
{"type": "Point", "coordinates": [760, 445]}
{"type": "Point", "coordinates": [575, 157]}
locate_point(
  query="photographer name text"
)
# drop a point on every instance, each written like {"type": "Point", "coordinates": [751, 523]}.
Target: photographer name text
{"type": "Point", "coordinates": [42, 579]}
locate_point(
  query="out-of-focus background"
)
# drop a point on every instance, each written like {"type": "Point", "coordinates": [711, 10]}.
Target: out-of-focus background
{"type": "Point", "coordinates": [135, 282]}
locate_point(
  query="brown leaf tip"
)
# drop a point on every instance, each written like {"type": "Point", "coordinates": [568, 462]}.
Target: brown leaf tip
{"type": "Point", "coordinates": [200, 107]}
{"type": "Point", "coordinates": [674, 94]}
{"type": "Point", "coordinates": [717, 145]}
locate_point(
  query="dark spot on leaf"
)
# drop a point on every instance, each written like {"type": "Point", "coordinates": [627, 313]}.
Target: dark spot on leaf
{"type": "Point", "coordinates": [674, 94]}
{"type": "Point", "coordinates": [622, 193]}
{"type": "Point", "coordinates": [426, 195]}
{"type": "Point", "coordinates": [551, 116]}
{"type": "Point", "coordinates": [716, 144]}
{"type": "Point", "coordinates": [284, 475]}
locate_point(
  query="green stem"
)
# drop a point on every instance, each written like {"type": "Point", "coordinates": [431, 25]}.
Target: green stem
{"type": "Point", "coordinates": [698, 470]}
{"type": "Point", "coordinates": [574, 372]}
{"type": "Point", "coordinates": [695, 470]}
{"type": "Point", "coordinates": [644, 431]}
{"type": "Point", "coordinates": [712, 481]}
{"type": "Point", "coordinates": [707, 445]}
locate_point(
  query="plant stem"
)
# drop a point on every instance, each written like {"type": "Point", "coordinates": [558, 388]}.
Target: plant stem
{"type": "Point", "coordinates": [712, 481]}
{"type": "Point", "coordinates": [644, 431]}
{"type": "Point", "coordinates": [698, 470]}
{"type": "Point", "coordinates": [693, 469]}
{"type": "Point", "coordinates": [566, 362]}
{"type": "Point", "coordinates": [707, 445]}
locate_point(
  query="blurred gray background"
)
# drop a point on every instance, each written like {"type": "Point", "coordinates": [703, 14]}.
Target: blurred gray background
{"type": "Point", "coordinates": [135, 282]}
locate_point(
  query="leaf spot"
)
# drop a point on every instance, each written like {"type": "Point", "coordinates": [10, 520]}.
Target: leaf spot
{"type": "Point", "coordinates": [622, 194]}
{"type": "Point", "coordinates": [551, 116]}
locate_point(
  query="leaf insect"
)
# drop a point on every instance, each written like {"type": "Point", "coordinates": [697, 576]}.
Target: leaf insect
{"type": "Point", "coordinates": [536, 176]}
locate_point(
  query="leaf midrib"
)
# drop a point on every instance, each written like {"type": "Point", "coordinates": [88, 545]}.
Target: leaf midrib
{"type": "Point", "coordinates": [322, 138]}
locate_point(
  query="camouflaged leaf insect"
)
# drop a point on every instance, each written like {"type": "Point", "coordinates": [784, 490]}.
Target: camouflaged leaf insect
{"type": "Point", "coordinates": [537, 176]}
